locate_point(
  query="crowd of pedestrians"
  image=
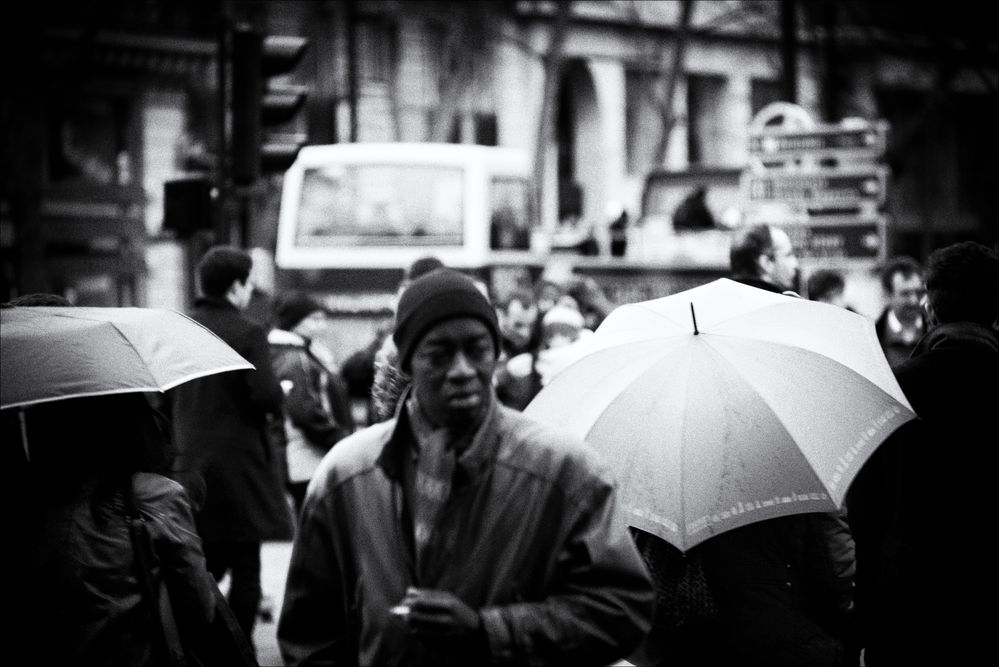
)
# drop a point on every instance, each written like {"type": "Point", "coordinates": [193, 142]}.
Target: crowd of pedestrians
{"type": "Point", "coordinates": [447, 527]}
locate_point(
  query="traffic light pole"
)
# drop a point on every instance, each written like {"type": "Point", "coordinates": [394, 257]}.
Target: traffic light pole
{"type": "Point", "coordinates": [222, 234]}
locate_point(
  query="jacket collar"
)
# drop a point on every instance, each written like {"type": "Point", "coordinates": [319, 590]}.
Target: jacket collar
{"type": "Point", "coordinates": [215, 302]}
{"type": "Point", "coordinates": [959, 336]}
{"type": "Point", "coordinates": [759, 283]}
{"type": "Point", "coordinates": [485, 441]}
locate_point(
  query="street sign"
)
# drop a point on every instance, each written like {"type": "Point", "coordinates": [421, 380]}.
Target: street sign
{"type": "Point", "coordinates": [838, 239]}
{"type": "Point", "coordinates": [824, 184]}
{"type": "Point", "coordinates": [835, 189]}
{"type": "Point", "coordinates": [867, 139]}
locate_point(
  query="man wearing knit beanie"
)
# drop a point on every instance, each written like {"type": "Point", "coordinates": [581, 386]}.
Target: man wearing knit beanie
{"type": "Point", "coordinates": [438, 295]}
{"type": "Point", "coordinates": [483, 535]}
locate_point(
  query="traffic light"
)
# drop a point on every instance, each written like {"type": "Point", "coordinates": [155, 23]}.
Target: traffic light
{"type": "Point", "coordinates": [187, 206]}
{"type": "Point", "coordinates": [259, 106]}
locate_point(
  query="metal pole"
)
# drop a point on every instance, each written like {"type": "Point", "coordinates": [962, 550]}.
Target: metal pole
{"type": "Point", "coordinates": [222, 232]}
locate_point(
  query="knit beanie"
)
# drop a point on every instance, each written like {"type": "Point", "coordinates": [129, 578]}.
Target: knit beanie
{"type": "Point", "coordinates": [442, 294]}
{"type": "Point", "coordinates": [293, 308]}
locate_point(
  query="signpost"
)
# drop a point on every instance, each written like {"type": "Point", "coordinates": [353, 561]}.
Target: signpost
{"type": "Point", "coordinates": [824, 184]}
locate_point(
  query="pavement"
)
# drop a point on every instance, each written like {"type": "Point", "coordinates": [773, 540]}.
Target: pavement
{"type": "Point", "coordinates": [274, 559]}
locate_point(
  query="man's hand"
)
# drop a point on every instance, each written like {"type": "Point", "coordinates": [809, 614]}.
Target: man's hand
{"type": "Point", "coordinates": [443, 621]}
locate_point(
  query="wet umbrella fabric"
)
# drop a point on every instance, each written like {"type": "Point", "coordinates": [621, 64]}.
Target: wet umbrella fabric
{"type": "Point", "coordinates": [725, 404]}
{"type": "Point", "coordinates": [53, 353]}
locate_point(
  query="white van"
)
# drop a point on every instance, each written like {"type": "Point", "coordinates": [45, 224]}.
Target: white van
{"type": "Point", "coordinates": [383, 205]}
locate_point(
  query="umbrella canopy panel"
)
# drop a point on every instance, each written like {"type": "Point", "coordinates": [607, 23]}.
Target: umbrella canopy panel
{"type": "Point", "coordinates": [51, 353]}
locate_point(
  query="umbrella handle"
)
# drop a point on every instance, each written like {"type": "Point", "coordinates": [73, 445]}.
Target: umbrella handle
{"type": "Point", "coordinates": [693, 316]}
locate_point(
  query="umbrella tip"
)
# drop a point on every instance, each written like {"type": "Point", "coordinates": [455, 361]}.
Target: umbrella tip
{"type": "Point", "coordinates": [693, 317]}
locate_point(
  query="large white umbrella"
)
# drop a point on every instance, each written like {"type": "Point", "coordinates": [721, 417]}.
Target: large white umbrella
{"type": "Point", "coordinates": [725, 404]}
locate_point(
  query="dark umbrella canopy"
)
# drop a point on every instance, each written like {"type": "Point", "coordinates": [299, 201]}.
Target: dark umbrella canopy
{"type": "Point", "coordinates": [52, 353]}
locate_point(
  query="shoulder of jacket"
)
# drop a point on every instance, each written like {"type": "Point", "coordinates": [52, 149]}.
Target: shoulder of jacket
{"type": "Point", "coordinates": [355, 455]}
{"type": "Point", "coordinates": [154, 489]}
{"type": "Point", "coordinates": [549, 452]}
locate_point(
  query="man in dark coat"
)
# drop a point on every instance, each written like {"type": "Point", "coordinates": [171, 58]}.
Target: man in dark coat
{"type": "Point", "coordinates": [460, 532]}
{"type": "Point", "coordinates": [762, 256]}
{"type": "Point", "coordinates": [901, 324]}
{"type": "Point", "coordinates": [226, 461]}
{"type": "Point", "coordinates": [920, 506]}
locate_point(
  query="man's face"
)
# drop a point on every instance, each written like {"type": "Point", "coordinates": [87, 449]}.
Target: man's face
{"type": "Point", "coordinates": [906, 293]}
{"type": "Point", "coordinates": [312, 325]}
{"type": "Point", "coordinates": [452, 368]}
{"type": "Point", "coordinates": [518, 322]}
{"type": "Point", "coordinates": [783, 267]}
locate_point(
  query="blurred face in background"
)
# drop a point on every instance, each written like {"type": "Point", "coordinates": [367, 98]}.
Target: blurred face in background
{"type": "Point", "coordinates": [781, 266]}
{"type": "Point", "coordinates": [548, 295]}
{"type": "Point", "coordinates": [906, 295]}
{"type": "Point", "coordinates": [517, 323]}
{"type": "Point", "coordinates": [312, 325]}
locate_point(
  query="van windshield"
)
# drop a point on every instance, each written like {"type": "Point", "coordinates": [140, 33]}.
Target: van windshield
{"type": "Point", "coordinates": [381, 205]}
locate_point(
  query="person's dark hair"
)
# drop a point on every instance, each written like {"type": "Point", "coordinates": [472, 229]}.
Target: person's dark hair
{"type": "Point", "coordinates": [749, 244]}
{"type": "Point", "coordinates": [40, 299]}
{"type": "Point", "coordinates": [823, 283]}
{"type": "Point", "coordinates": [220, 267]}
{"type": "Point", "coordinates": [962, 283]}
{"type": "Point", "coordinates": [102, 438]}
{"type": "Point", "coordinates": [902, 264]}
{"type": "Point", "coordinates": [422, 266]}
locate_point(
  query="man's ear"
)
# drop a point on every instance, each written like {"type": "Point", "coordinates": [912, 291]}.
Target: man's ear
{"type": "Point", "coordinates": [931, 315]}
{"type": "Point", "coordinates": [232, 294]}
{"type": "Point", "coordinates": [764, 266]}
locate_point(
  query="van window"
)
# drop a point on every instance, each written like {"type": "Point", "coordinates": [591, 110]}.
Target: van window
{"type": "Point", "coordinates": [373, 205]}
{"type": "Point", "coordinates": [381, 205]}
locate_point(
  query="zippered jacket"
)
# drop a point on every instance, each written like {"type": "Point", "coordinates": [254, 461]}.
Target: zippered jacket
{"type": "Point", "coordinates": [535, 542]}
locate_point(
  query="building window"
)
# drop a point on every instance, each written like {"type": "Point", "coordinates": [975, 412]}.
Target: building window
{"type": "Point", "coordinates": [705, 119]}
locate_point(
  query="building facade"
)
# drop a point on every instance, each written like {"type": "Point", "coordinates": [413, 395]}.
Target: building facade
{"type": "Point", "coordinates": [114, 99]}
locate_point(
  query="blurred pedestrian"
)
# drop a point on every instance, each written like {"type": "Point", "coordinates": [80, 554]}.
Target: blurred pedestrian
{"type": "Point", "coordinates": [762, 256]}
{"type": "Point", "coordinates": [591, 300]}
{"type": "Point", "coordinates": [900, 325]}
{"type": "Point", "coordinates": [358, 369]}
{"type": "Point", "coordinates": [519, 324]}
{"type": "Point", "coordinates": [226, 460]}
{"type": "Point", "coordinates": [563, 339]}
{"type": "Point", "coordinates": [919, 506]}
{"type": "Point", "coordinates": [408, 551]}
{"type": "Point", "coordinates": [83, 600]}
{"type": "Point", "coordinates": [520, 334]}
{"type": "Point", "coordinates": [827, 286]}
{"type": "Point", "coordinates": [693, 213]}
{"type": "Point", "coordinates": [317, 411]}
